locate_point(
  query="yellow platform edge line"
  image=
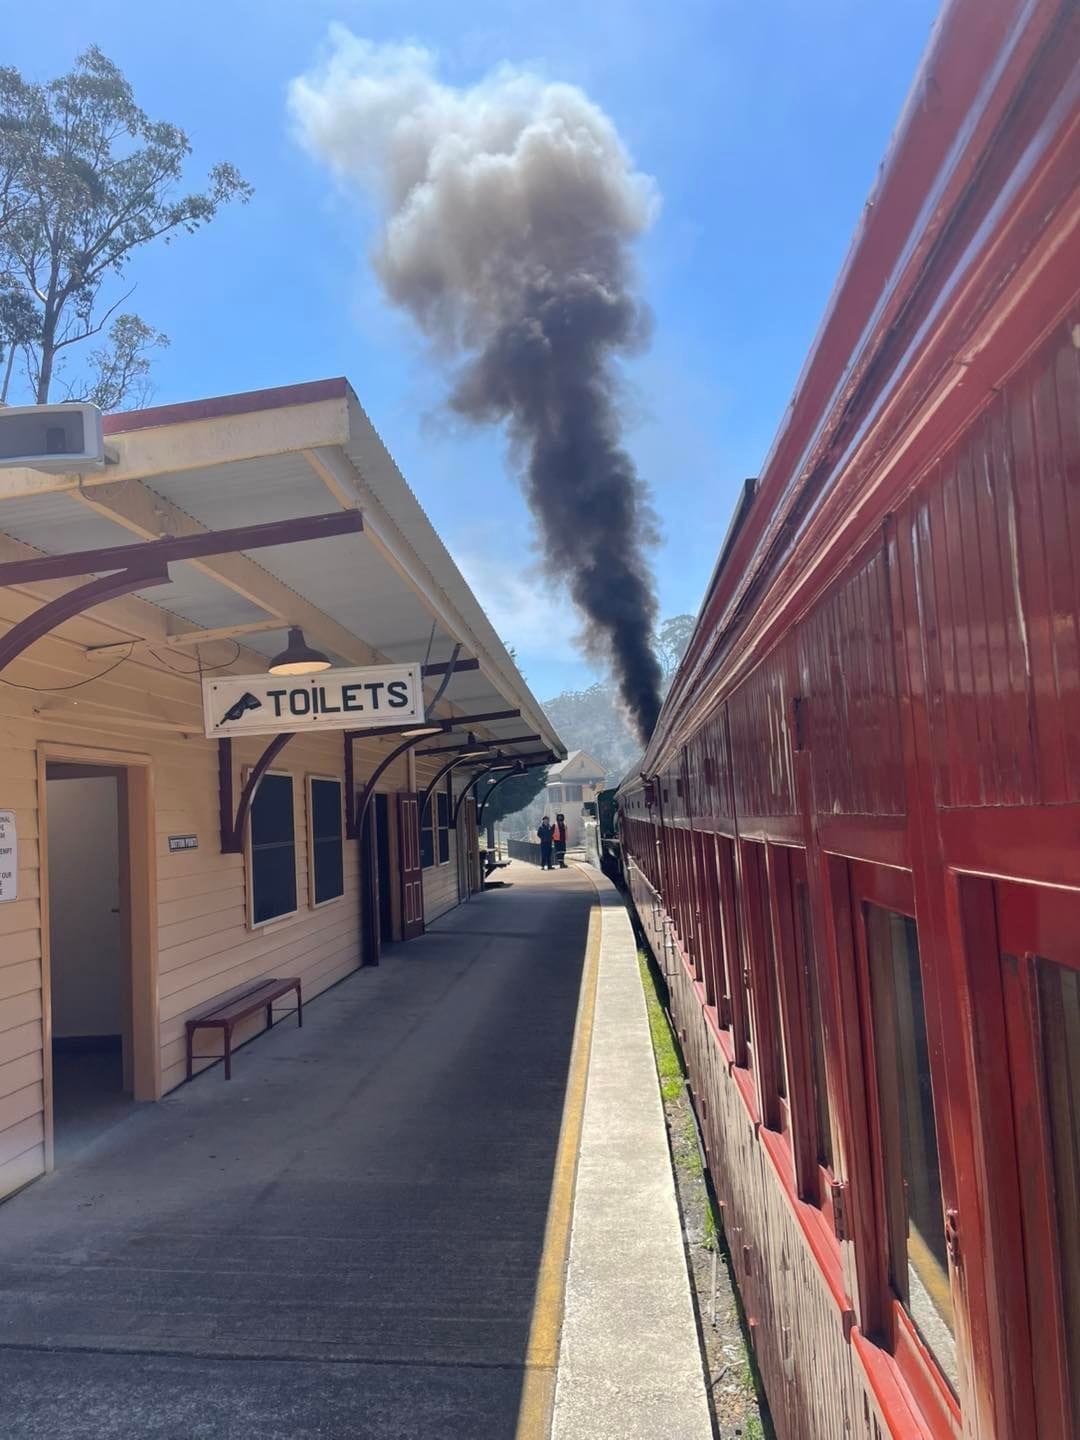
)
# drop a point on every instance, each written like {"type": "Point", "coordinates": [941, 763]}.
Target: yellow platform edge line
{"type": "Point", "coordinates": [542, 1353]}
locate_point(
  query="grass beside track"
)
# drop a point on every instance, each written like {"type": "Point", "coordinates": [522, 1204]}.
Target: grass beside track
{"type": "Point", "coordinates": [735, 1390]}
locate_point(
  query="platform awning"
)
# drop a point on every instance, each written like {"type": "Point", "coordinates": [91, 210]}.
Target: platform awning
{"type": "Point", "coordinates": [388, 593]}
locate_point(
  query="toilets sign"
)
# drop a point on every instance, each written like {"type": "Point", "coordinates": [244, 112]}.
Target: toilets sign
{"type": "Point", "coordinates": [9, 857]}
{"type": "Point", "coordinates": [362, 698]}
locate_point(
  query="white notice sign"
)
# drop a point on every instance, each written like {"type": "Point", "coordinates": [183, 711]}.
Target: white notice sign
{"type": "Point", "coordinates": [9, 857]}
{"type": "Point", "coordinates": [362, 698]}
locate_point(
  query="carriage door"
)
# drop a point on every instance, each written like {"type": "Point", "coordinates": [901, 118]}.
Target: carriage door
{"type": "Point", "coordinates": [412, 876]}
{"type": "Point", "coordinates": [1038, 951]}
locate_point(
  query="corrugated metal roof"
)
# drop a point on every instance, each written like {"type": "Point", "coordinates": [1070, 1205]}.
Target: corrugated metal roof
{"type": "Point", "coordinates": [413, 607]}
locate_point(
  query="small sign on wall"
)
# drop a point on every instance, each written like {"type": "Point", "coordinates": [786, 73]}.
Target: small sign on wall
{"type": "Point", "coordinates": [183, 842]}
{"type": "Point", "coordinates": [9, 857]}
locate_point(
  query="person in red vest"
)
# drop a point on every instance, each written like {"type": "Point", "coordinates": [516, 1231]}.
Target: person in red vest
{"type": "Point", "coordinates": [558, 840]}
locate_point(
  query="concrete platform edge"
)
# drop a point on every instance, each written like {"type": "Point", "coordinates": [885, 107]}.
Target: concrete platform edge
{"type": "Point", "coordinates": [630, 1364]}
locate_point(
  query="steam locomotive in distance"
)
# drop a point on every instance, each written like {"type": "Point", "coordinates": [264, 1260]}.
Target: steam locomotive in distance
{"type": "Point", "coordinates": [855, 833]}
{"type": "Point", "coordinates": [601, 823]}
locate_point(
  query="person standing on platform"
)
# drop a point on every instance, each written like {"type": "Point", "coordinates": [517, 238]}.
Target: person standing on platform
{"type": "Point", "coordinates": [558, 840]}
{"type": "Point", "coordinates": [544, 835]}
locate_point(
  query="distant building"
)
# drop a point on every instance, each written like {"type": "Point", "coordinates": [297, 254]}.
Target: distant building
{"type": "Point", "coordinates": [569, 784]}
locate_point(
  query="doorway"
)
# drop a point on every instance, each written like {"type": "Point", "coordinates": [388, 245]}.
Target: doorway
{"type": "Point", "coordinates": [90, 964]}
{"type": "Point", "coordinates": [382, 859]}
{"type": "Point", "coordinates": [99, 942]}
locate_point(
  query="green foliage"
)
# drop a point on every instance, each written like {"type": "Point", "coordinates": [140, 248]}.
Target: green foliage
{"type": "Point", "coordinates": [671, 641]}
{"type": "Point", "coordinates": [512, 795]}
{"type": "Point", "coordinates": [668, 1064]}
{"type": "Point", "coordinates": [595, 721]}
{"type": "Point", "coordinates": [121, 367]}
{"type": "Point", "coordinates": [86, 178]}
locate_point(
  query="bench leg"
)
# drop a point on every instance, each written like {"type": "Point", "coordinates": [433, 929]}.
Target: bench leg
{"type": "Point", "coordinates": [190, 1039]}
{"type": "Point", "coordinates": [228, 1052]}
{"type": "Point", "coordinates": [299, 1008]}
{"type": "Point", "coordinates": [270, 1016]}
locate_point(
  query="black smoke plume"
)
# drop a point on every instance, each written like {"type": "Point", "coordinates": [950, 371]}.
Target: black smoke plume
{"type": "Point", "coordinates": [508, 215]}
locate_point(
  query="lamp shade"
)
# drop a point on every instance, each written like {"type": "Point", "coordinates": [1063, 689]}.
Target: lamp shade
{"type": "Point", "coordinates": [298, 658]}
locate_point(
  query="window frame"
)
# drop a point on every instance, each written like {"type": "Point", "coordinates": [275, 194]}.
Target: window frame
{"type": "Point", "coordinates": [1037, 923]}
{"type": "Point", "coordinates": [711, 922]}
{"type": "Point", "coordinates": [249, 854]}
{"type": "Point", "coordinates": [762, 952]}
{"type": "Point", "coordinates": [733, 954]}
{"type": "Point", "coordinates": [894, 890]}
{"type": "Point", "coordinates": [814, 1178]}
{"type": "Point", "coordinates": [426, 827]}
{"type": "Point", "coordinates": [310, 781]}
{"type": "Point", "coordinates": [441, 824]}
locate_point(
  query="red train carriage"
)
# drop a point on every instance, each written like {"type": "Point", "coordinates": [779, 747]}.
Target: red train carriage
{"type": "Point", "coordinates": [855, 839]}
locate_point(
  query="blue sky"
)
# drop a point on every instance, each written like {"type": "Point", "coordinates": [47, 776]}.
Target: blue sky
{"type": "Point", "coordinates": [763, 125]}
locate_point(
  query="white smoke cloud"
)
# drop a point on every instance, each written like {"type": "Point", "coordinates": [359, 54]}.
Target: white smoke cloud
{"type": "Point", "coordinates": [476, 185]}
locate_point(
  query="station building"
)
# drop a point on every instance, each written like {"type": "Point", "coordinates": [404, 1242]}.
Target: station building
{"type": "Point", "coordinates": [147, 870]}
{"type": "Point", "coordinates": [570, 784]}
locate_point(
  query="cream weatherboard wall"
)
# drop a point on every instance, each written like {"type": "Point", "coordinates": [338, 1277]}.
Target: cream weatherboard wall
{"type": "Point", "coordinates": [442, 887]}
{"type": "Point", "coordinates": [198, 905]}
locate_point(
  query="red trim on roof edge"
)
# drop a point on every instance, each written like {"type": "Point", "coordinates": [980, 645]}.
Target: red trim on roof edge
{"type": "Point", "coordinates": [219, 406]}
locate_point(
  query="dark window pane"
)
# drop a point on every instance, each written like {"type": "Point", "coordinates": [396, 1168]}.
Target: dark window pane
{"type": "Point", "coordinates": [817, 1029]}
{"type": "Point", "coordinates": [325, 808]}
{"type": "Point", "coordinates": [329, 870]}
{"type": "Point", "coordinates": [774, 999]}
{"type": "Point", "coordinates": [918, 1264]}
{"type": "Point", "coordinates": [1059, 1010]}
{"type": "Point", "coordinates": [777, 1036]}
{"type": "Point", "coordinates": [273, 849]}
{"type": "Point", "coordinates": [272, 811]}
{"type": "Point", "coordinates": [427, 838]}
{"type": "Point", "coordinates": [444, 826]}
{"type": "Point", "coordinates": [273, 870]}
{"type": "Point", "coordinates": [327, 860]}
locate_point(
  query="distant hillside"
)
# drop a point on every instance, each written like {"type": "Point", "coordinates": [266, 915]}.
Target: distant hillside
{"type": "Point", "coordinates": [593, 719]}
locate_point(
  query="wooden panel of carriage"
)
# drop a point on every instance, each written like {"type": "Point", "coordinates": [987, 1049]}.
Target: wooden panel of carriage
{"type": "Point", "coordinates": [852, 807]}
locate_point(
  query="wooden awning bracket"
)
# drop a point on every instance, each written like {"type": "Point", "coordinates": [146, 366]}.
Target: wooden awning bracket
{"type": "Point", "coordinates": [355, 812]}
{"type": "Point", "coordinates": [142, 565]}
{"type": "Point", "coordinates": [233, 827]}
{"type": "Point", "coordinates": [462, 754]}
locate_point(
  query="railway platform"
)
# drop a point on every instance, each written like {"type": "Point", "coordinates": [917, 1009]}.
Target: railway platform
{"type": "Point", "coordinates": [443, 1208]}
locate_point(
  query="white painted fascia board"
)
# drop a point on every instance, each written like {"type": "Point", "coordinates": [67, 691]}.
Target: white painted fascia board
{"type": "Point", "coordinates": [198, 444]}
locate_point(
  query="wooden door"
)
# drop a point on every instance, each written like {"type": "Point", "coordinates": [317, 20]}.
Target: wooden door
{"type": "Point", "coordinates": [412, 876]}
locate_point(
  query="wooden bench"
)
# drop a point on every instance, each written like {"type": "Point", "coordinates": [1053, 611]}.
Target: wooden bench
{"type": "Point", "coordinates": [490, 862]}
{"type": "Point", "coordinates": [227, 1014]}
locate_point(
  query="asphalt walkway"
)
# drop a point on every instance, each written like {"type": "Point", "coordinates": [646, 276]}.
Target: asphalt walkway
{"type": "Point", "coordinates": [346, 1239]}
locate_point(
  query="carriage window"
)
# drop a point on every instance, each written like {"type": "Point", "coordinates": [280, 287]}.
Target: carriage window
{"type": "Point", "coordinates": [1059, 1014]}
{"type": "Point", "coordinates": [918, 1265]}
{"type": "Point", "coordinates": [774, 992]}
{"type": "Point", "coordinates": [760, 896]}
{"type": "Point", "coordinates": [809, 963]}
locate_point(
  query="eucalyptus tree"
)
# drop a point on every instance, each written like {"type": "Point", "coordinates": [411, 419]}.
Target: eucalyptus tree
{"type": "Point", "coordinates": [86, 180]}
